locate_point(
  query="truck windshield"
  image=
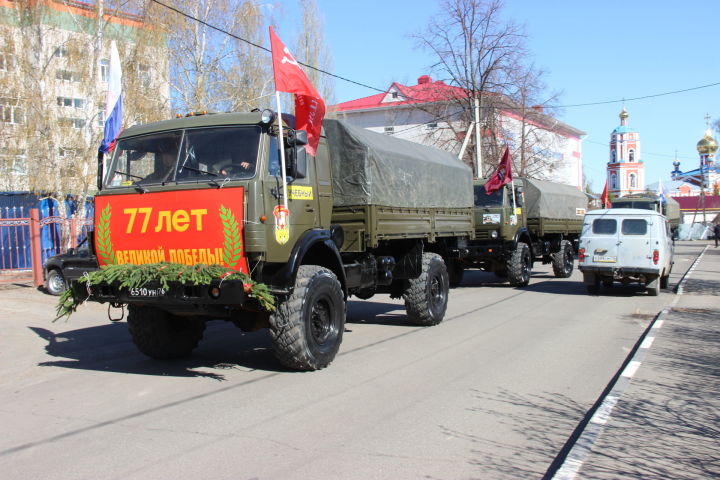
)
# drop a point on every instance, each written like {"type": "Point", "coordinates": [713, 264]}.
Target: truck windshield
{"type": "Point", "coordinates": [482, 199]}
{"type": "Point", "coordinates": [182, 156]}
{"type": "Point", "coordinates": [631, 204]}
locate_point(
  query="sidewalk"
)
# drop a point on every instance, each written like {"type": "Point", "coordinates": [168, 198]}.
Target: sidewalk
{"type": "Point", "coordinates": [665, 423]}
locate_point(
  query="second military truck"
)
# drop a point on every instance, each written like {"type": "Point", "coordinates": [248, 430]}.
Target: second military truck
{"type": "Point", "coordinates": [367, 214]}
{"type": "Point", "coordinates": [542, 222]}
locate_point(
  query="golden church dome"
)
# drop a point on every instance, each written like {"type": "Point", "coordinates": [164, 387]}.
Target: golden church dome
{"type": "Point", "coordinates": [707, 145]}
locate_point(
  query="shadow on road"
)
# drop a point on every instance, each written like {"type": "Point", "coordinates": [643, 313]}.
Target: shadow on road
{"type": "Point", "coordinates": [109, 348]}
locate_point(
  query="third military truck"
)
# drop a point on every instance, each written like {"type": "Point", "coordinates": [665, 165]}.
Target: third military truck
{"type": "Point", "coordinates": [367, 214]}
{"type": "Point", "coordinates": [524, 221]}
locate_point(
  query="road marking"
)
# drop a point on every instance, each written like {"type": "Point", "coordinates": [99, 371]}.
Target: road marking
{"type": "Point", "coordinates": [631, 369]}
{"type": "Point", "coordinates": [647, 343]}
{"type": "Point", "coordinates": [603, 413]}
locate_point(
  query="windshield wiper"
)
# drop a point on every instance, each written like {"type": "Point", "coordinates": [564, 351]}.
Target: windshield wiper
{"type": "Point", "coordinates": [135, 184]}
{"type": "Point", "coordinates": [199, 170]}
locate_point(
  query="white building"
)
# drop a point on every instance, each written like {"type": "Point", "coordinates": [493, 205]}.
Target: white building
{"type": "Point", "coordinates": [422, 113]}
{"type": "Point", "coordinates": [54, 67]}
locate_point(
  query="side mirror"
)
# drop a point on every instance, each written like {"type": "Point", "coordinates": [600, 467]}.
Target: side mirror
{"type": "Point", "coordinates": [297, 137]}
{"type": "Point", "coordinates": [298, 164]}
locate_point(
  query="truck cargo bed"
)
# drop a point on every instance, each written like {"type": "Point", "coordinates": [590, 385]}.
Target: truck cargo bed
{"type": "Point", "coordinates": [367, 225]}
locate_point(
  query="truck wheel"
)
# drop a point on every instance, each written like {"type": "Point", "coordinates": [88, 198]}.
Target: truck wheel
{"type": "Point", "coordinates": [55, 282]}
{"type": "Point", "coordinates": [456, 271]}
{"type": "Point", "coordinates": [307, 327]}
{"type": "Point", "coordinates": [562, 261]}
{"type": "Point", "coordinates": [653, 287]}
{"type": "Point", "coordinates": [426, 297]}
{"type": "Point", "coordinates": [161, 335]}
{"type": "Point", "coordinates": [519, 266]}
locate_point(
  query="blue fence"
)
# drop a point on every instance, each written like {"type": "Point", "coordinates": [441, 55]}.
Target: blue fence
{"type": "Point", "coordinates": [15, 247]}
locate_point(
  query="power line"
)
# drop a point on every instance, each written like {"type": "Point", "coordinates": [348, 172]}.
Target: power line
{"type": "Point", "coordinates": [237, 37]}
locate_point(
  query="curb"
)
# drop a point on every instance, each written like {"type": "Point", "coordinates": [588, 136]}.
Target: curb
{"type": "Point", "coordinates": [578, 447]}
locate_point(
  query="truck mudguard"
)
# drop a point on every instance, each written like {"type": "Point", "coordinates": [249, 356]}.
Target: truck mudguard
{"type": "Point", "coordinates": [314, 247]}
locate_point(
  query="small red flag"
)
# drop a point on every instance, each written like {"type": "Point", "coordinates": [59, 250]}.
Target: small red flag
{"type": "Point", "coordinates": [604, 199]}
{"type": "Point", "coordinates": [502, 174]}
{"type": "Point", "coordinates": [289, 77]}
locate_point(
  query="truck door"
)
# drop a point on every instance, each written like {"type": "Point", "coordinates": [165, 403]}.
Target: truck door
{"type": "Point", "coordinates": [283, 229]}
{"type": "Point", "coordinates": [602, 241]}
{"type": "Point", "coordinates": [635, 245]}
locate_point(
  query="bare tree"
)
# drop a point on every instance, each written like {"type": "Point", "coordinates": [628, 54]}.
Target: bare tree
{"type": "Point", "coordinates": [209, 69]}
{"type": "Point", "coordinates": [475, 51]}
{"type": "Point", "coordinates": [56, 86]}
{"type": "Point", "coordinates": [312, 50]}
{"type": "Point", "coordinates": [534, 133]}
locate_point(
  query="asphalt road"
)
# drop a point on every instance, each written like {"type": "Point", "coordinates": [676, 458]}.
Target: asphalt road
{"type": "Point", "coordinates": [493, 392]}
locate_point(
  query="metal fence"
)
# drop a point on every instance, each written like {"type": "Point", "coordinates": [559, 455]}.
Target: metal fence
{"type": "Point", "coordinates": [18, 238]}
{"type": "Point", "coordinates": [15, 253]}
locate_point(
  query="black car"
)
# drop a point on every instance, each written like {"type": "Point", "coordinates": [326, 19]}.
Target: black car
{"type": "Point", "coordinates": [62, 269]}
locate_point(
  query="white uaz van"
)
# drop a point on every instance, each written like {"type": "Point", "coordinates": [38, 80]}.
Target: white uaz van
{"type": "Point", "coordinates": [626, 245]}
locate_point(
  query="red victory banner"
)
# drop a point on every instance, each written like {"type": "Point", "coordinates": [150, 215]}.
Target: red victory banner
{"type": "Point", "coordinates": [289, 77]}
{"type": "Point", "coordinates": [187, 227]}
{"type": "Point", "coordinates": [605, 198]}
{"type": "Point", "coordinates": [502, 174]}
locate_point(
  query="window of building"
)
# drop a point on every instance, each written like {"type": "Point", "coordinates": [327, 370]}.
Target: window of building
{"type": "Point", "coordinates": [61, 52]}
{"type": "Point", "coordinates": [67, 152]}
{"type": "Point", "coordinates": [7, 61]}
{"type": "Point", "coordinates": [70, 102]}
{"type": "Point", "coordinates": [431, 125]}
{"type": "Point", "coordinates": [11, 111]}
{"type": "Point", "coordinates": [67, 76]}
{"type": "Point", "coordinates": [632, 180]}
{"type": "Point", "coordinates": [76, 123]}
{"type": "Point", "coordinates": [612, 156]}
{"type": "Point", "coordinates": [144, 75]}
{"type": "Point", "coordinates": [104, 70]}
{"type": "Point", "coordinates": [631, 155]}
{"type": "Point", "coordinates": [613, 181]}
{"type": "Point", "coordinates": [389, 130]}
{"type": "Point", "coordinates": [101, 115]}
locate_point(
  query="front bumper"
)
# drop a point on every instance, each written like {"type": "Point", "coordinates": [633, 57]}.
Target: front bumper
{"type": "Point", "coordinates": [219, 298]}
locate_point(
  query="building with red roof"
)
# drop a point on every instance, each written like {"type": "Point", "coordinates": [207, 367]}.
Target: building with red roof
{"type": "Point", "coordinates": [431, 111]}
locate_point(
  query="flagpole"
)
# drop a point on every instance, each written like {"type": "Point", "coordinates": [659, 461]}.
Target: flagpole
{"type": "Point", "coordinates": [281, 144]}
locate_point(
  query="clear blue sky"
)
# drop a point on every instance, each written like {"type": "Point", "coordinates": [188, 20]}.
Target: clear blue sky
{"type": "Point", "coordinates": [594, 52]}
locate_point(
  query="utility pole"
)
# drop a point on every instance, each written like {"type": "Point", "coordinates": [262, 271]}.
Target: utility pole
{"type": "Point", "coordinates": [478, 139]}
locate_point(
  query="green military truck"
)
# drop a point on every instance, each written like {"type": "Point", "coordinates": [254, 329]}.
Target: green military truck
{"type": "Point", "coordinates": [668, 206]}
{"type": "Point", "coordinates": [367, 214]}
{"type": "Point", "coordinates": [542, 222]}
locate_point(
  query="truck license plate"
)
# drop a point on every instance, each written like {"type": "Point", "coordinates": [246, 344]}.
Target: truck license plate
{"type": "Point", "coordinates": [604, 259]}
{"type": "Point", "coordinates": [147, 292]}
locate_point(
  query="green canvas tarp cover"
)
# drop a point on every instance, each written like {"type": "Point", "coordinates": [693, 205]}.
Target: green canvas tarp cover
{"type": "Point", "coordinates": [545, 199]}
{"type": "Point", "coordinates": [370, 168]}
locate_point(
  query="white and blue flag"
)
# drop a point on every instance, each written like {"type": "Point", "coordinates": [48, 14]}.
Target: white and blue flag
{"type": "Point", "coordinates": [113, 107]}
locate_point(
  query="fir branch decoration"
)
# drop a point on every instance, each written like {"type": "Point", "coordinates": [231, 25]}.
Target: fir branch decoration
{"type": "Point", "coordinates": [129, 276]}
{"type": "Point", "coordinates": [102, 232]}
{"type": "Point", "coordinates": [233, 243]}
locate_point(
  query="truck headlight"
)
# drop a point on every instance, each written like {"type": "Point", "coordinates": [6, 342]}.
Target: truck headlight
{"type": "Point", "coordinates": [267, 116]}
{"type": "Point", "coordinates": [493, 234]}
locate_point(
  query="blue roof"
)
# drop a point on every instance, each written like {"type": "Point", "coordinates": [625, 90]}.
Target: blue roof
{"type": "Point", "coordinates": [623, 129]}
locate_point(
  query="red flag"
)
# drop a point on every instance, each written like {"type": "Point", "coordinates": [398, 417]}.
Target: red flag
{"type": "Point", "coordinates": [501, 175]}
{"type": "Point", "coordinates": [289, 77]}
{"type": "Point", "coordinates": [604, 198]}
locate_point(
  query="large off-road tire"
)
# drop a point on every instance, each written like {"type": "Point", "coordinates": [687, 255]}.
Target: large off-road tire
{"type": "Point", "coordinates": [55, 282]}
{"type": "Point", "coordinates": [161, 335]}
{"type": "Point", "coordinates": [426, 297]}
{"type": "Point", "coordinates": [519, 266]}
{"type": "Point", "coordinates": [562, 261]}
{"type": "Point", "coordinates": [456, 271]}
{"type": "Point", "coordinates": [307, 327]}
{"type": "Point", "coordinates": [653, 287]}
